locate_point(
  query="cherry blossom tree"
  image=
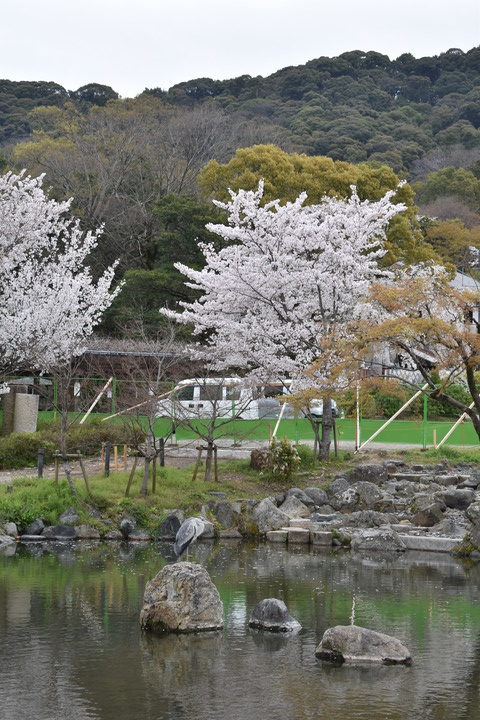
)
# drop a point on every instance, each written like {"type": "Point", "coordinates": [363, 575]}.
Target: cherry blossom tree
{"type": "Point", "coordinates": [49, 301]}
{"type": "Point", "coordinates": [287, 282]}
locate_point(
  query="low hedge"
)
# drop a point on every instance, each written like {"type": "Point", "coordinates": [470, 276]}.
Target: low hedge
{"type": "Point", "coordinates": [21, 449]}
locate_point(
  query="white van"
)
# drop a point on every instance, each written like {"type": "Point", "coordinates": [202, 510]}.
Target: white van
{"type": "Point", "coordinates": [226, 397]}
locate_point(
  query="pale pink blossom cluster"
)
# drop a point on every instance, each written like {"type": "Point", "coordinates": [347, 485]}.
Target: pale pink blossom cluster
{"type": "Point", "coordinates": [287, 275]}
{"type": "Point", "coordinates": [49, 302]}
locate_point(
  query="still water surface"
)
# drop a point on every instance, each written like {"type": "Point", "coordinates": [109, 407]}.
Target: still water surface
{"type": "Point", "coordinates": [71, 648]}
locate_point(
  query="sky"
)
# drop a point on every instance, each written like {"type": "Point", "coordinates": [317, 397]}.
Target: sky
{"type": "Point", "coordinates": [133, 44]}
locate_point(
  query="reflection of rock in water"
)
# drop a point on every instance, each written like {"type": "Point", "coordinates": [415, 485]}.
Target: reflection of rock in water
{"type": "Point", "coordinates": [8, 550]}
{"type": "Point", "coordinates": [270, 642]}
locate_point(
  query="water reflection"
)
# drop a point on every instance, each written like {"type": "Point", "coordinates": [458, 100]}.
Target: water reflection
{"type": "Point", "coordinates": [72, 647]}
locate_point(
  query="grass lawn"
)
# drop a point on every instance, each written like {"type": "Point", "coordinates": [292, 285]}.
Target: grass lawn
{"type": "Point", "coordinates": [399, 431]}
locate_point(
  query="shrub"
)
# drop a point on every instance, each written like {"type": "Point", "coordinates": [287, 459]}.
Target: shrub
{"type": "Point", "coordinates": [305, 453]}
{"type": "Point", "coordinates": [21, 449]}
{"type": "Point", "coordinates": [282, 460]}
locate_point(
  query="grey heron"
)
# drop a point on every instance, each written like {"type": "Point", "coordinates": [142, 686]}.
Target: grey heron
{"type": "Point", "coordinates": [188, 531]}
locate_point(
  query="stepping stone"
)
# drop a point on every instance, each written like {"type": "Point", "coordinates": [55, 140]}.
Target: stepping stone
{"type": "Point", "coordinates": [430, 544]}
{"type": "Point", "coordinates": [321, 537]}
{"type": "Point", "coordinates": [299, 535]}
{"type": "Point", "coordinates": [300, 523]}
{"type": "Point", "coordinates": [277, 536]}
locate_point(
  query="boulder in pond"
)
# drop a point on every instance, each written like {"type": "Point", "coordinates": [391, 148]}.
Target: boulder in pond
{"type": "Point", "coordinates": [272, 615]}
{"type": "Point", "coordinates": [181, 598]}
{"type": "Point", "coordinates": [354, 644]}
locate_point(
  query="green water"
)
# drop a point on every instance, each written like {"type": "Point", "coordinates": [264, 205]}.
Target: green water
{"type": "Point", "coordinates": [72, 648]}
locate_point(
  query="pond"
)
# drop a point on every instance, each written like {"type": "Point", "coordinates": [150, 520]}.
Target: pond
{"type": "Point", "coordinates": [72, 648]}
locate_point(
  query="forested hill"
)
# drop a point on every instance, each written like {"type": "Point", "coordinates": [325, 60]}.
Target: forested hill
{"type": "Point", "coordinates": [357, 106]}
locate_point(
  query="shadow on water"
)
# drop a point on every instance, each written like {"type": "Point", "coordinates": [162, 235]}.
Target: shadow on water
{"type": "Point", "coordinates": [72, 647]}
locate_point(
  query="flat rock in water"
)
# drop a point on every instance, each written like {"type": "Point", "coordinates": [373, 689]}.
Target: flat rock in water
{"type": "Point", "coordinates": [354, 644]}
{"type": "Point", "coordinates": [181, 598]}
{"type": "Point", "coordinates": [272, 615]}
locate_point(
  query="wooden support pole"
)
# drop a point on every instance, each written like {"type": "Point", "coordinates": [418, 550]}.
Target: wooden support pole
{"type": "Point", "coordinates": [84, 472]}
{"type": "Point", "coordinates": [134, 407]}
{"type": "Point", "coordinates": [131, 476]}
{"type": "Point", "coordinates": [279, 419]}
{"type": "Point", "coordinates": [215, 464]}
{"type": "Point", "coordinates": [154, 474]}
{"type": "Point", "coordinates": [125, 458]}
{"type": "Point", "coordinates": [162, 452]}
{"type": "Point", "coordinates": [197, 464]}
{"type": "Point", "coordinates": [57, 468]}
{"type": "Point", "coordinates": [454, 427]}
{"type": "Point", "coordinates": [395, 415]}
{"type": "Point", "coordinates": [115, 457]}
{"type": "Point", "coordinates": [96, 400]}
{"type": "Point", "coordinates": [107, 459]}
{"type": "Point", "coordinates": [40, 457]}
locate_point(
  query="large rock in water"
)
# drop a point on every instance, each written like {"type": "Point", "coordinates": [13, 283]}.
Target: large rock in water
{"type": "Point", "coordinates": [272, 614]}
{"type": "Point", "coordinates": [350, 643]}
{"type": "Point", "coordinates": [181, 598]}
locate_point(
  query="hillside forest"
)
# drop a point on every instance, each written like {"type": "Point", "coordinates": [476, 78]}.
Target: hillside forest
{"type": "Point", "coordinates": [147, 168]}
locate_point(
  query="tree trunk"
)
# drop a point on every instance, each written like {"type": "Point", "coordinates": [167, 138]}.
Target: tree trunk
{"type": "Point", "coordinates": [326, 438]}
{"type": "Point", "coordinates": [316, 437]}
{"type": "Point", "coordinates": [208, 462]}
{"type": "Point", "coordinates": [146, 472]}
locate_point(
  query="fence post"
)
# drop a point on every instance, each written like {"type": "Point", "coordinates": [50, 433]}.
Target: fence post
{"type": "Point", "coordinates": [107, 458]}
{"type": "Point", "coordinates": [40, 457]}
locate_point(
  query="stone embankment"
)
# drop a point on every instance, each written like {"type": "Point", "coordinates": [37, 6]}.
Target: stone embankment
{"type": "Point", "coordinates": [385, 506]}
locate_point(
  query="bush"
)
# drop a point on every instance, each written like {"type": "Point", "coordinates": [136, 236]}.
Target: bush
{"type": "Point", "coordinates": [21, 449]}
{"type": "Point", "coordinates": [307, 458]}
{"type": "Point", "coordinates": [282, 460]}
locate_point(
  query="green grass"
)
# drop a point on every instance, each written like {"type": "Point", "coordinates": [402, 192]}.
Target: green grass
{"type": "Point", "coordinates": [42, 497]}
{"type": "Point", "coordinates": [399, 431]}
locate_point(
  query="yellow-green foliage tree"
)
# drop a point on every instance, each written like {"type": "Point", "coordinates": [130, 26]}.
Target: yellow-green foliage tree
{"type": "Point", "coordinates": [427, 315]}
{"type": "Point", "coordinates": [286, 175]}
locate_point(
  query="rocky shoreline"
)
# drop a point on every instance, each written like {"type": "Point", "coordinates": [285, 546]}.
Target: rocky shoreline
{"type": "Point", "coordinates": [387, 506]}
